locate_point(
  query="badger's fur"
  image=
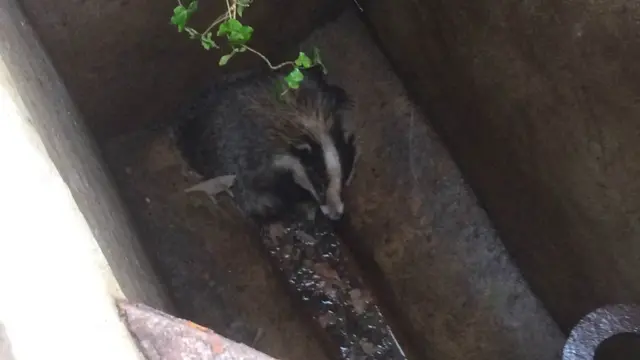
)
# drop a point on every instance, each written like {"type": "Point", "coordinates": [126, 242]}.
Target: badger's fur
{"type": "Point", "coordinates": [285, 149]}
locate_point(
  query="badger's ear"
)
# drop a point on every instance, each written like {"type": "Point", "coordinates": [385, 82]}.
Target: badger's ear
{"type": "Point", "coordinates": [340, 100]}
{"type": "Point", "coordinates": [316, 75]}
{"type": "Point", "coordinates": [316, 79]}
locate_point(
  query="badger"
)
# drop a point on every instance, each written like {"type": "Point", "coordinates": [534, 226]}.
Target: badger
{"type": "Point", "coordinates": [279, 150]}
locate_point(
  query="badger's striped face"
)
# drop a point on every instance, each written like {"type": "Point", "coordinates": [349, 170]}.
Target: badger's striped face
{"type": "Point", "coordinates": [308, 122]}
{"type": "Point", "coordinates": [327, 164]}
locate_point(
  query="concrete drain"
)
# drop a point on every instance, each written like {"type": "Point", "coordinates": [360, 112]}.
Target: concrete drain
{"type": "Point", "coordinates": [599, 326]}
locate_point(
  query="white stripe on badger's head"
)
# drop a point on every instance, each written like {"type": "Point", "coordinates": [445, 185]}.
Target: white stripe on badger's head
{"type": "Point", "coordinates": [319, 172]}
{"type": "Point", "coordinates": [332, 206]}
{"type": "Point", "coordinates": [307, 125]}
{"type": "Point", "coordinates": [300, 176]}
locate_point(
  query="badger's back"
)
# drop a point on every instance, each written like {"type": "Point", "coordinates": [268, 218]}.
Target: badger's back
{"type": "Point", "coordinates": [220, 135]}
{"type": "Point", "coordinates": [247, 129]}
{"type": "Point", "coordinates": [226, 133]}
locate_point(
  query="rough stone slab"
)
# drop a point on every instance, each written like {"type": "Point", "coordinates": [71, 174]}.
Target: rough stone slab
{"type": "Point", "coordinates": [444, 266]}
{"type": "Point", "coordinates": [538, 102]}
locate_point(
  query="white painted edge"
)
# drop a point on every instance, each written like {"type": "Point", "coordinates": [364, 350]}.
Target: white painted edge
{"type": "Point", "coordinates": [67, 248]}
{"type": "Point", "coordinates": [55, 285]}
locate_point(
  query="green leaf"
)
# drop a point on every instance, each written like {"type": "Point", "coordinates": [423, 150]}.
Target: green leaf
{"type": "Point", "coordinates": [241, 36]}
{"type": "Point", "coordinates": [241, 5]}
{"type": "Point", "coordinates": [207, 42]}
{"type": "Point", "coordinates": [181, 14]}
{"type": "Point", "coordinates": [294, 78]}
{"type": "Point", "coordinates": [179, 17]}
{"type": "Point", "coordinates": [303, 61]}
{"type": "Point", "coordinates": [318, 60]}
{"type": "Point", "coordinates": [225, 59]}
{"type": "Point", "coordinates": [223, 29]}
{"type": "Point", "coordinates": [193, 6]}
{"type": "Point", "coordinates": [228, 26]}
{"type": "Point", "coordinates": [236, 33]}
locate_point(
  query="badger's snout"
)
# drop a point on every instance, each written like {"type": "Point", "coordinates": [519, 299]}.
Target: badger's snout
{"type": "Point", "coordinates": [333, 212]}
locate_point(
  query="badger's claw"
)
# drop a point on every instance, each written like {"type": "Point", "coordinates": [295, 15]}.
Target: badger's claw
{"type": "Point", "coordinates": [215, 186]}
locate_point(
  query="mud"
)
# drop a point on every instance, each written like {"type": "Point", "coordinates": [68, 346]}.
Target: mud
{"type": "Point", "coordinates": [323, 278]}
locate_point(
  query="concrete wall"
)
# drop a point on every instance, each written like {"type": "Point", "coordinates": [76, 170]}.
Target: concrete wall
{"type": "Point", "coordinates": [419, 231]}
{"type": "Point", "coordinates": [538, 101]}
{"type": "Point", "coordinates": [115, 56]}
{"type": "Point", "coordinates": [67, 246]}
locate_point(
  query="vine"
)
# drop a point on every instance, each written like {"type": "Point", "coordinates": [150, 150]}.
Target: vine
{"type": "Point", "coordinates": [236, 36]}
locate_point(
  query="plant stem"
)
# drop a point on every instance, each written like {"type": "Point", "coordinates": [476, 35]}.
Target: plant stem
{"type": "Point", "coordinates": [229, 12]}
{"type": "Point", "coordinates": [276, 67]}
{"type": "Point", "coordinates": [220, 19]}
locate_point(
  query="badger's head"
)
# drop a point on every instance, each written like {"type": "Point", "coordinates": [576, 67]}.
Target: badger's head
{"type": "Point", "coordinates": [320, 152]}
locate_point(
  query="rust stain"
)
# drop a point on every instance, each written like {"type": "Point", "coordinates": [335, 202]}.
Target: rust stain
{"type": "Point", "coordinates": [197, 326]}
{"type": "Point", "coordinates": [217, 345]}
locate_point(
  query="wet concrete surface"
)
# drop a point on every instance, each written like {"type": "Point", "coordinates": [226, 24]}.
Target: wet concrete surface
{"type": "Point", "coordinates": [415, 224]}
{"type": "Point", "coordinates": [327, 284]}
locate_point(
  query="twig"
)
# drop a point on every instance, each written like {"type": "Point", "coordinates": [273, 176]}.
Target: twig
{"type": "Point", "coordinates": [229, 9]}
{"type": "Point", "coordinates": [276, 67]}
{"type": "Point", "coordinates": [220, 19]}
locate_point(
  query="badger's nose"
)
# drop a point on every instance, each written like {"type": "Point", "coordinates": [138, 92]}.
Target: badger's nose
{"type": "Point", "coordinates": [333, 213]}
